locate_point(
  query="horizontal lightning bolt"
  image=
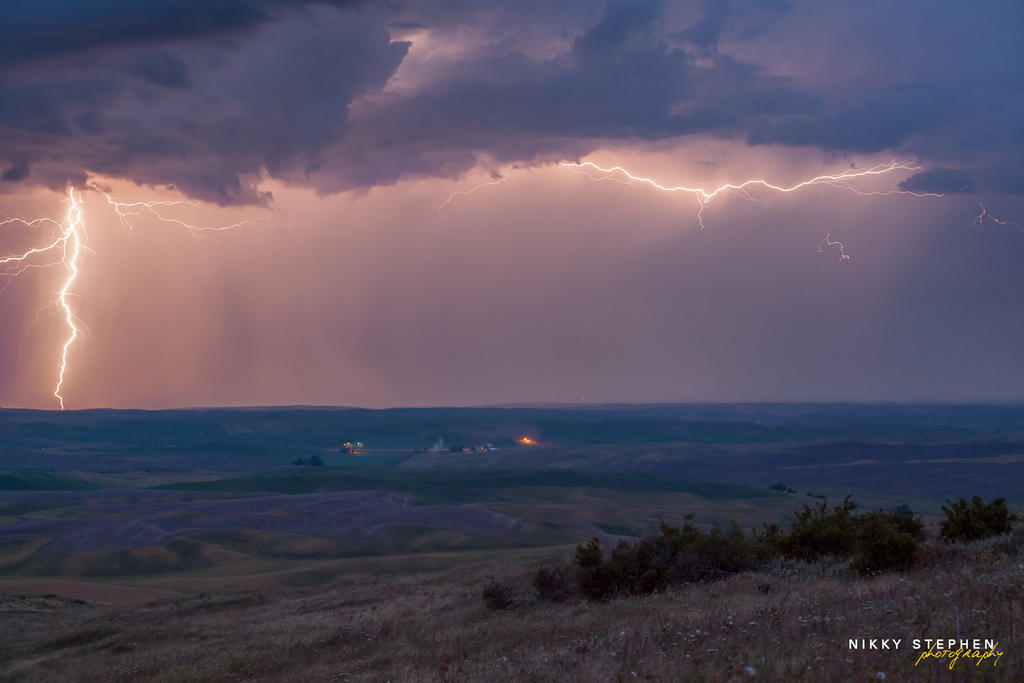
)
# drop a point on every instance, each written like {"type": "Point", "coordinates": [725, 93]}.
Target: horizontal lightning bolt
{"type": "Point", "coordinates": [125, 211]}
{"type": "Point", "coordinates": [704, 196]}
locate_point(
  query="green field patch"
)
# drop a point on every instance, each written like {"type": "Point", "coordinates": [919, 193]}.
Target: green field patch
{"type": "Point", "coordinates": [462, 485]}
{"type": "Point", "coordinates": [615, 529]}
{"type": "Point", "coordinates": [24, 557]}
{"type": "Point", "coordinates": [402, 540]}
{"type": "Point", "coordinates": [35, 480]}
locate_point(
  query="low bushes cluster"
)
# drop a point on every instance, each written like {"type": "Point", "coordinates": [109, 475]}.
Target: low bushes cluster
{"type": "Point", "coordinates": [873, 542]}
{"type": "Point", "coordinates": [675, 555]}
{"type": "Point", "coordinates": [975, 520]}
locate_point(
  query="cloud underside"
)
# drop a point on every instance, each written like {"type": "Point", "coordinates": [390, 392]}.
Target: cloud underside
{"type": "Point", "coordinates": [207, 97]}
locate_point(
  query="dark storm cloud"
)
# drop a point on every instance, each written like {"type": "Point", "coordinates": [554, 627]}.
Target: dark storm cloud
{"type": "Point", "coordinates": [17, 171]}
{"type": "Point", "coordinates": [874, 122]}
{"type": "Point", "coordinates": [720, 15]}
{"type": "Point", "coordinates": [206, 96]}
{"type": "Point", "coordinates": [619, 79]}
{"type": "Point", "coordinates": [939, 82]}
{"type": "Point", "coordinates": [210, 119]}
{"type": "Point", "coordinates": [160, 68]}
{"type": "Point", "coordinates": [620, 21]}
{"type": "Point", "coordinates": [939, 180]}
{"type": "Point", "coordinates": [39, 29]}
{"type": "Point", "coordinates": [201, 120]}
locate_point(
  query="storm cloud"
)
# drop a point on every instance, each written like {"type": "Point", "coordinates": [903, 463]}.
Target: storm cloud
{"type": "Point", "coordinates": [348, 140]}
{"type": "Point", "coordinates": [209, 97]}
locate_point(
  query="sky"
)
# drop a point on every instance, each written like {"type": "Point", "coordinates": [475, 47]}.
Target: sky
{"type": "Point", "coordinates": [383, 204]}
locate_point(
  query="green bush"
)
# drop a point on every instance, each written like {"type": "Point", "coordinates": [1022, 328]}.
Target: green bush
{"type": "Point", "coordinates": [698, 556]}
{"type": "Point", "coordinates": [975, 520]}
{"type": "Point", "coordinates": [818, 531]}
{"type": "Point", "coordinates": [874, 542]}
{"type": "Point", "coordinates": [886, 542]}
{"type": "Point", "coordinates": [595, 578]}
{"type": "Point", "coordinates": [675, 555]}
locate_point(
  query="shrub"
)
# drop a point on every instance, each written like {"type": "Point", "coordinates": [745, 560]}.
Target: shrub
{"type": "Point", "coordinates": [675, 555]}
{"type": "Point", "coordinates": [497, 595]}
{"type": "Point", "coordinates": [975, 520]}
{"type": "Point", "coordinates": [875, 542]}
{"type": "Point", "coordinates": [817, 532]}
{"type": "Point", "coordinates": [698, 556]}
{"type": "Point", "coordinates": [595, 578]}
{"type": "Point", "coordinates": [555, 585]}
{"type": "Point", "coordinates": [886, 541]}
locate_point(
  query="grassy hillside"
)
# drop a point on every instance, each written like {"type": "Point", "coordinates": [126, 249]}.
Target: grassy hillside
{"type": "Point", "coordinates": [789, 622]}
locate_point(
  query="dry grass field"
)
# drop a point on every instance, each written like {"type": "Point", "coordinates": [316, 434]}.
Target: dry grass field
{"type": "Point", "coordinates": [789, 622]}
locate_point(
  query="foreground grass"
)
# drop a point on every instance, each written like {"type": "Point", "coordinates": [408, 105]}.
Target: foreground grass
{"type": "Point", "coordinates": [789, 622]}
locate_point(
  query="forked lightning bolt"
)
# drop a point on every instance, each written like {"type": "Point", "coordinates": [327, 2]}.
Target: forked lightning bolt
{"type": "Point", "coordinates": [127, 210]}
{"type": "Point", "coordinates": [74, 233]}
{"type": "Point", "coordinates": [67, 238]}
{"type": "Point", "coordinates": [984, 215]}
{"type": "Point", "coordinates": [840, 180]}
{"type": "Point", "coordinates": [65, 244]}
{"type": "Point", "coordinates": [68, 242]}
{"type": "Point", "coordinates": [459, 193]}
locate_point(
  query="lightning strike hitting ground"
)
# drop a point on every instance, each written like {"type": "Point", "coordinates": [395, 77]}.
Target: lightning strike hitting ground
{"type": "Point", "coordinates": [65, 245]}
{"type": "Point", "coordinates": [74, 233]}
{"type": "Point", "coordinates": [68, 242]}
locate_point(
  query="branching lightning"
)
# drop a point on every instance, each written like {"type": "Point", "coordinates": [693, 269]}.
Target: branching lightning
{"type": "Point", "coordinates": [459, 193]}
{"type": "Point", "coordinates": [66, 239]}
{"type": "Point", "coordinates": [127, 210]}
{"type": "Point", "coordinates": [73, 234]}
{"type": "Point", "coordinates": [64, 245]}
{"type": "Point", "coordinates": [704, 196]}
{"type": "Point", "coordinates": [984, 215]}
{"type": "Point", "coordinates": [68, 243]}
